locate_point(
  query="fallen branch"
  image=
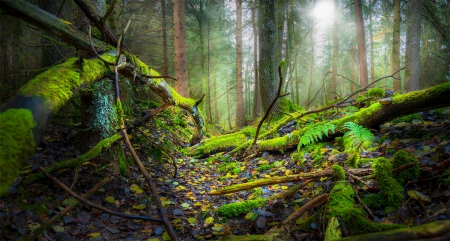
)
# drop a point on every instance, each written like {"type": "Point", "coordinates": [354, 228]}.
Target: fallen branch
{"type": "Point", "coordinates": [317, 201]}
{"type": "Point", "coordinates": [93, 205]}
{"type": "Point", "coordinates": [36, 232]}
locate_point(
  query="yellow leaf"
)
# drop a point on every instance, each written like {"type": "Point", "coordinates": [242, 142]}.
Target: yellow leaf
{"type": "Point", "coordinates": [94, 235]}
{"type": "Point", "coordinates": [284, 187]}
{"type": "Point", "coordinates": [166, 236]}
{"type": "Point", "coordinates": [192, 221]}
{"type": "Point", "coordinates": [209, 220]}
{"type": "Point", "coordinates": [288, 172]}
{"type": "Point", "coordinates": [139, 207]}
{"type": "Point", "coordinates": [110, 199]}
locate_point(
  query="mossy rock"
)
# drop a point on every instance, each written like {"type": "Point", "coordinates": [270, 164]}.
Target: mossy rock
{"type": "Point", "coordinates": [402, 158]}
{"type": "Point", "coordinates": [232, 210]}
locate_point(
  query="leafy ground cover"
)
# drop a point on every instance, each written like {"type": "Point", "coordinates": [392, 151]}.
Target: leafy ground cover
{"type": "Point", "coordinates": [196, 215]}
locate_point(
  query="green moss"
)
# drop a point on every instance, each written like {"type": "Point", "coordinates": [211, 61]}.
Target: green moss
{"type": "Point", "coordinates": [16, 144]}
{"type": "Point", "coordinates": [56, 85]}
{"type": "Point", "coordinates": [265, 167]}
{"type": "Point", "coordinates": [446, 179]}
{"type": "Point", "coordinates": [275, 143]}
{"type": "Point", "coordinates": [392, 191]}
{"type": "Point", "coordinates": [342, 205]}
{"type": "Point", "coordinates": [376, 92]}
{"type": "Point", "coordinates": [402, 158]}
{"type": "Point", "coordinates": [338, 173]}
{"type": "Point", "coordinates": [123, 163]}
{"type": "Point", "coordinates": [120, 115]}
{"type": "Point", "coordinates": [95, 151]}
{"type": "Point", "coordinates": [156, 154]}
{"type": "Point", "coordinates": [232, 210]}
{"type": "Point", "coordinates": [407, 118]}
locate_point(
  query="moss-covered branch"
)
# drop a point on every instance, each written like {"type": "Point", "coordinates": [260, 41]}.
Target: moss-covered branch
{"type": "Point", "coordinates": [92, 153]}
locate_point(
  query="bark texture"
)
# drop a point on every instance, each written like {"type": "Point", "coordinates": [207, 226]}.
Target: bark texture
{"type": "Point", "coordinates": [413, 45]}
{"type": "Point", "coordinates": [395, 55]}
{"type": "Point", "coordinates": [362, 52]}
{"type": "Point", "coordinates": [240, 110]}
{"type": "Point", "coordinates": [179, 32]}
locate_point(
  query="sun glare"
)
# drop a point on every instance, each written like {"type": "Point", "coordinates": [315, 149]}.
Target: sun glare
{"type": "Point", "coordinates": [323, 12]}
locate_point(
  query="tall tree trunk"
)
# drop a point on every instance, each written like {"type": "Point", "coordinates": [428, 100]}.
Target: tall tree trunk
{"type": "Point", "coordinates": [311, 66]}
{"type": "Point", "coordinates": [240, 110]}
{"type": "Point", "coordinates": [165, 65]}
{"type": "Point", "coordinates": [216, 105]}
{"type": "Point", "coordinates": [179, 32]}
{"type": "Point", "coordinates": [267, 53]}
{"type": "Point", "coordinates": [228, 108]}
{"type": "Point", "coordinates": [413, 45]}
{"type": "Point", "coordinates": [395, 55]}
{"type": "Point", "coordinates": [424, 84]}
{"type": "Point", "coordinates": [335, 52]}
{"type": "Point", "coordinates": [280, 19]}
{"type": "Point", "coordinates": [362, 52]}
{"type": "Point", "coordinates": [208, 80]}
{"type": "Point", "coordinates": [256, 93]}
{"type": "Point", "coordinates": [372, 55]}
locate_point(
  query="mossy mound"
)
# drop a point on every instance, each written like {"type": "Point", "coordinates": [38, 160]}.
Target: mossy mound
{"type": "Point", "coordinates": [342, 205]}
{"type": "Point", "coordinates": [232, 210]}
{"type": "Point", "coordinates": [402, 158]}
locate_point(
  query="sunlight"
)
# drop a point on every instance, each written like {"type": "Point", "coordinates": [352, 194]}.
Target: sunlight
{"type": "Point", "coordinates": [323, 12]}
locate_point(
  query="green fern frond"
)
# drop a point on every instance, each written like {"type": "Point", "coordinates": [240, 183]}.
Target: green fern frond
{"type": "Point", "coordinates": [315, 133]}
{"type": "Point", "coordinates": [357, 136]}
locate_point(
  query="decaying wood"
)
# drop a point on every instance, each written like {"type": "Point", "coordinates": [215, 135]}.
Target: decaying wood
{"type": "Point", "coordinates": [315, 202]}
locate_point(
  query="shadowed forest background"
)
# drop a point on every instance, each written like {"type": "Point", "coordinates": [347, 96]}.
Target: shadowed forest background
{"type": "Point", "coordinates": [233, 120]}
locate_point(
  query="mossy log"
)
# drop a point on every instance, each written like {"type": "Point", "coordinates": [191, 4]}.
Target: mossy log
{"type": "Point", "coordinates": [439, 230]}
{"type": "Point", "coordinates": [370, 117]}
{"type": "Point", "coordinates": [269, 236]}
{"type": "Point", "coordinates": [25, 117]}
{"type": "Point", "coordinates": [284, 179]}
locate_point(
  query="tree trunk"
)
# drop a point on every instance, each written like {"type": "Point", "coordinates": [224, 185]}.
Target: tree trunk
{"type": "Point", "coordinates": [181, 65]}
{"type": "Point", "coordinates": [165, 65]}
{"type": "Point", "coordinates": [240, 110]}
{"type": "Point", "coordinates": [413, 46]}
{"type": "Point", "coordinates": [395, 55]}
{"type": "Point", "coordinates": [311, 67]}
{"type": "Point", "coordinates": [267, 53]}
{"type": "Point", "coordinates": [256, 92]}
{"type": "Point", "coordinates": [372, 55]}
{"type": "Point", "coordinates": [362, 53]}
{"type": "Point", "coordinates": [335, 52]}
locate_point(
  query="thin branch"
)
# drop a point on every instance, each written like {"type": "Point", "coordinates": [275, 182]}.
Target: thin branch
{"type": "Point", "coordinates": [94, 205]}
{"type": "Point", "coordinates": [95, 51]}
{"type": "Point", "coordinates": [270, 106]}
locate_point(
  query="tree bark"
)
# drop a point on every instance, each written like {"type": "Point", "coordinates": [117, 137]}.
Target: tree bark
{"type": "Point", "coordinates": [335, 52]}
{"type": "Point", "coordinates": [413, 46]}
{"type": "Point", "coordinates": [395, 55]}
{"type": "Point", "coordinates": [267, 53]}
{"type": "Point", "coordinates": [362, 52]}
{"type": "Point", "coordinates": [256, 92]}
{"type": "Point", "coordinates": [181, 65]}
{"type": "Point", "coordinates": [240, 110]}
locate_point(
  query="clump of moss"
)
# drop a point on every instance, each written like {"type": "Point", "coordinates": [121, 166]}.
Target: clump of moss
{"type": "Point", "coordinates": [232, 166]}
{"type": "Point", "coordinates": [277, 143]}
{"type": "Point", "coordinates": [232, 210]}
{"type": "Point", "coordinates": [376, 92]}
{"type": "Point", "coordinates": [446, 180]}
{"type": "Point", "coordinates": [391, 196]}
{"type": "Point", "coordinates": [443, 113]}
{"type": "Point", "coordinates": [156, 154]}
{"type": "Point", "coordinates": [338, 173]}
{"type": "Point", "coordinates": [265, 167]}
{"type": "Point", "coordinates": [342, 205]}
{"type": "Point", "coordinates": [402, 158]}
{"type": "Point", "coordinates": [407, 118]}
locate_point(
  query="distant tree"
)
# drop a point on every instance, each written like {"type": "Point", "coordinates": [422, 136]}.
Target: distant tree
{"type": "Point", "coordinates": [413, 45]}
{"type": "Point", "coordinates": [395, 55]}
{"type": "Point", "coordinates": [362, 52]}
{"type": "Point", "coordinates": [240, 110]}
{"type": "Point", "coordinates": [256, 94]}
{"type": "Point", "coordinates": [181, 65]}
{"type": "Point", "coordinates": [335, 52]}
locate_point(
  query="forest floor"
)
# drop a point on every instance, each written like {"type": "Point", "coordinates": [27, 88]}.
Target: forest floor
{"type": "Point", "coordinates": [193, 212]}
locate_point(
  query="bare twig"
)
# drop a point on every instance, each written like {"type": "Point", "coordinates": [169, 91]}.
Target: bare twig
{"type": "Point", "coordinates": [94, 205]}
{"type": "Point", "coordinates": [270, 106]}
{"type": "Point", "coordinates": [317, 201]}
{"type": "Point", "coordinates": [36, 232]}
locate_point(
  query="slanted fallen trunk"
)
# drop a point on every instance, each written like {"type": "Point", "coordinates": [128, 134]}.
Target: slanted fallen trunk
{"type": "Point", "coordinates": [25, 117]}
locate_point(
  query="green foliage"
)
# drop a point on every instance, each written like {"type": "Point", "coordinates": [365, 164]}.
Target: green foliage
{"type": "Point", "coordinates": [315, 133]}
{"type": "Point", "coordinates": [233, 210]}
{"type": "Point", "coordinates": [443, 113]}
{"type": "Point", "coordinates": [357, 136]}
{"type": "Point", "coordinates": [402, 158]}
{"type": "Point", "coordinates": [232, 166]}
{"type": "Point", "coordinates": [338, 173]}
{"type": "Point", "coordinates": [156, 154]}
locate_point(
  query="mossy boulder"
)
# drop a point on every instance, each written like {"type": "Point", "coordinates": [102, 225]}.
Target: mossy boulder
{"type": "Point", "coordinates": [402, 158]}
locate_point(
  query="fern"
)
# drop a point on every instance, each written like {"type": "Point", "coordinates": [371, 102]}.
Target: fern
{"type": "Point", "coordinates": [315, 134]}
{"type": "Point", "coordinates": [357, 136]}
